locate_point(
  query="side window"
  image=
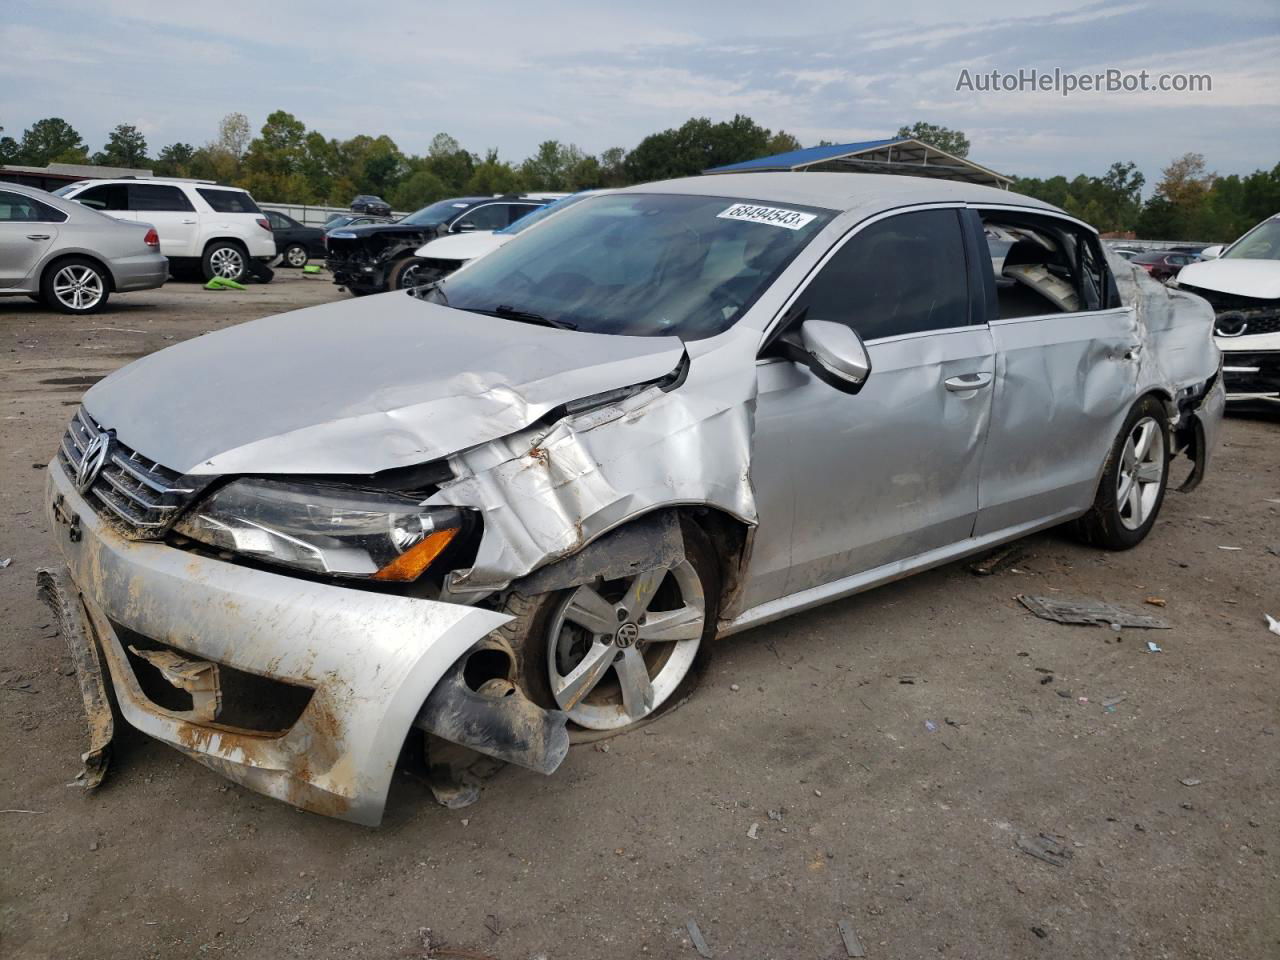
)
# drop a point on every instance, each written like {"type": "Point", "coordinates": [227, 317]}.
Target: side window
{"type": "Point", "coordinates": [517, 210]}
{"type": "Point", "coordinates": [15, 208]}
{"type": "Point", "coordinates": [492, 216]}
{"type": "Point", "coordinates": [903, 274]}
{"type": "Point", "coordinates": [157, 196]}
{"type": "Point", "coordinates": [1045, 266]}
{"type": "Point", "coordinates": [228, 201]}
{"type": "Point", "coordinates": [108, 196]}
{"type": "Point", "coordinates": [278, 222]}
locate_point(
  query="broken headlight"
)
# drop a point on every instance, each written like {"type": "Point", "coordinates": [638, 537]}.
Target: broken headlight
{"type": "Point", "coordinates": [324, 529]}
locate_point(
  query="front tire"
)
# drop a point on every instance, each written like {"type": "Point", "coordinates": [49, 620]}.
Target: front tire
{"type": "Point", "coordinates": [75, 285]}
{"type": "Point", "coordinates": [295, 255]}
{"type": "Point", "coordinates": [226, 259]}
{"type": "Point", "coordinates": [616, 654]}
{"type": "Point", "coordinates": [1134, 481]}
{"type": "Point", "coordinates": [406, 273]}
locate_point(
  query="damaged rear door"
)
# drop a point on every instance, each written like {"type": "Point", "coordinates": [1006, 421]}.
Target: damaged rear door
{"type": "Point", "coordinates": [1066, 371]}
{"type": "Point", "coordinates": [891, 472]}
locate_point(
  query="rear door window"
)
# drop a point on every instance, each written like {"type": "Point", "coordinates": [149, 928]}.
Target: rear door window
{"type": "Point", "coordinates": [492, 216]}
{"type": "Point", "coordinates": [107, 196]}
{"type": "Point", "coordinates": [904, 274]}
{"type": "Point", "coordinates": [1051, 266]}
{"type": "Point", "coordinates": [158, 196]}
{"type": "Point", "coordinates": [228, 201]}
{"type": "Point", "coordinates": [517, 210]}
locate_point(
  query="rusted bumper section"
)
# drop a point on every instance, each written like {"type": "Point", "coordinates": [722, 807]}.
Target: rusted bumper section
{"type": "Point", "coordinates": [60, 595]}
{"type": "Point", "coordinates": [369, 660]}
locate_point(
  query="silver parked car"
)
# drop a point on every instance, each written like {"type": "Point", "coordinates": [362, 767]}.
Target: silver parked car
{"type": "Point", "coordinates": [70, 257]}
{"type": "Point", "coordinates": [517, 505]}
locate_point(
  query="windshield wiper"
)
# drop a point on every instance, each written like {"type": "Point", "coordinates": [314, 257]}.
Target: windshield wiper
{"type": "Point", "coordinates": [507, 312]}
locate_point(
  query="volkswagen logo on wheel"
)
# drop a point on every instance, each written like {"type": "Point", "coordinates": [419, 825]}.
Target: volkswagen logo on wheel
{"type": "Point", "coordinates": [91, 464]}
{"type": "Point", "coordinates": [627, 635]}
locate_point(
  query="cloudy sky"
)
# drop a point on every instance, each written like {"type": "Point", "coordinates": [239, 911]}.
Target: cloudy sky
{"type": "Point", "coordinates": [508, 75]}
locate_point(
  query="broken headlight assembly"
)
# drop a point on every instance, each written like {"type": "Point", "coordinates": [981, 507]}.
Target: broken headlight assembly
{"type": "Point", "coordinates": [325, 529]}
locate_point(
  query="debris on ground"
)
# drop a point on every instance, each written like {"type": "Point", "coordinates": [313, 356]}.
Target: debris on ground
{"type": "Point", "coordinates": [852, 945]}
{"type": "Point", "coordinates": [5, 562]}
{"type": "Point", "coordinates": [1153, 647]}
{"type": "Point", "coordinates": [1220, 547]}
{"type": "Point", "coordinates": [1040, 932]}
{"type": "Point", "coordinates": [698, 943]}
{"type": "Point", "coordinates": [1088, 612]}
{"type": "Point", "coordinates": [930, 726]}
{"type": "Point", "coordinates": [1189, 782]}
{"type": "Point", "coordinates": [775, 815]}
{"type": "Point", "coordinates": [1048, 847]}
{"type": "Point", "coordinates": [753, 831]}
{"type": "Point", "coordinates": [1156, 601]}
{"type": "Point", "coordinates": [996, 561]}
{"type": "Point", "coordinates": [1272, 624]}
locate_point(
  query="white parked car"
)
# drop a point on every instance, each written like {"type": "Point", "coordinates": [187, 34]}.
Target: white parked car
{"type": "Point", "coordinates": [203, 227]}
{"type": "Point", "coordinates": [1242, 284]}
{"type": "Point", "coordinates": [451, 252]}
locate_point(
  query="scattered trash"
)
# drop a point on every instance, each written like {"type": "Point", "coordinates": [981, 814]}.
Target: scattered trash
{"type": "Point", "coordinates": [1047, 678]}
{"type": "Point", "coordinates": [1047, 847]}
{"type": "Point", "coordinates": [1270, 500]}
{"type": "Point", "coordinates": [1040, 932]}
{"type": "Point", "coordinates": [1189, 782]}
{"type": "Point", "coordinates": [21, 811]}
{"type": "Point", "coordinates": [5, 562]}
{"type": "Point", "coordinates": [1153, 647]}
{"type": "Point", "coordinates": [996, 561]}
{"type": "Point", "coordinates": [1109, 704]}
{"type": "Point", "coordinates": [956, 723]}
{"type": "Point", "coordinates": [753, 831]}
{"type": "Point", "coordinates": [1091, 613]}
{"type": "Point", "coordinates": [817, 793]}
{"type": "Point", "coordinates": [1220, 547]}
{"type": "Point", "coordinates": [1082, 699]}
{"type": "Point", "coordinates": [222, 283]}
{"type": "Point", "coordinates": [1156, 601]}
{"type": "Point", "coordinates": [1272, 624]}
{"type": "Point", "coordinates": [775, 815]}
{"type": "Point", "coordinates": [311, 268]}
{"type": "Point", "coordinates": [734, 687]}
{"type": "Point", "coordinates": [698, 943]}
{"type": "Point", "coordinates": [852, 945]}
{"type": "Point", "coordinates": [930, 726]}
{"type": "Point", "coordinates": [1064, 694]}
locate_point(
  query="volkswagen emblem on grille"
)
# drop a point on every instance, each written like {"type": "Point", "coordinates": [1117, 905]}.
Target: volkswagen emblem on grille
{"type": "Point", "coordinates": [91, 464]}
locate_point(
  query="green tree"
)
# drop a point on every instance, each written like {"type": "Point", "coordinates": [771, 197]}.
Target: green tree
{"type": "Point", "coordinates": [125, 147]}
{"type": "Point", "coordinates": [697, 145]}
{"type": "Point", "coordinates": [233, 134]}
{"type": "Point", "coordinates": [417, 190]}
{"type": "Point", "coordinates": [949, 141]}
{"type": "Point", "coordinates": [175, 160]}
{"type": "Point", "coordinates": [613, 167]}
{"type": "Point", "coordinates": [551, 167]}
{"type": "Point", "coordinates": [273, 164]}
{"type": "Point", "coordinates": [492, 176]}
{"type": "Point", "coordinates": [10, 150]}
{"type": "Point", "coordinates": [52, 140]}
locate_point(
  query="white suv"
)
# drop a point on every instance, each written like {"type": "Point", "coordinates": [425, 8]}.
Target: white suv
{"type": "Point", "coordinates": [203, 227]}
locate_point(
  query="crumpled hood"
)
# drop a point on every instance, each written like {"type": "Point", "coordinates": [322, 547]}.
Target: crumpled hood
{"type": "Point", "coordinates": [359, 386]}
{"type": "Point", "coordinates": [1244, 278]}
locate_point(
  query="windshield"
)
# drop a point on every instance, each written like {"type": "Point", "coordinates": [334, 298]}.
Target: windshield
{"type": "Point", "coordinates": [537, 216]}
{"type": "Point", "coordinates": [63, 191]}
{"type": "Point", "coordinates": [1260, 243]}
{"type": "Point", "coordinates": [638, 264]}
{"type": "Point", "coordinates": [436, 213]}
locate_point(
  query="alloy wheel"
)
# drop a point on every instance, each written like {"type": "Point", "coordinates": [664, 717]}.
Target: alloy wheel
{"type": "Point", "coordinates": [78, 287]}
{"type": "Point", "coordinates": [227, 262]}
{"type": "Point", "coordinates": [1141, 473]}
{"type": "Point", "coordinates": [296, 257]}
{"type": "Point", "coordinates": [618, 650]}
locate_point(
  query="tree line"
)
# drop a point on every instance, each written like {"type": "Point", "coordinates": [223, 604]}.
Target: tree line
{"type": "Point", "coordinates": [288, 163]}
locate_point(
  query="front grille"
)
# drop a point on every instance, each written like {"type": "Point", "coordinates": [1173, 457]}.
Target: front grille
{"type": "Point", "coordinates": [1238, 316]}
{"type": "Point", "coordinates": [131, 489]}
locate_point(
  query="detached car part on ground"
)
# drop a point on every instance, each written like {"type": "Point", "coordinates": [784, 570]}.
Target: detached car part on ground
{"type": "Point", "coordinates": [69, 257]}
{"type": "Point", "coordinates": [519, 505]}
{"type": "Point", "coordinates": [1243, 287]}
{"type": "Point", "coordinates": [376, 257]}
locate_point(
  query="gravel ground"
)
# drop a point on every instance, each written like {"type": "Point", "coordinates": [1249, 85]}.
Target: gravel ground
{"type": "Point", "coordinates": [876, 760]}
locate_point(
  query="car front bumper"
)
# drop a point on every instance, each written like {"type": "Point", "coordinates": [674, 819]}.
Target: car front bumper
{"type": "Point", "coordinates": [144, 272]}
{"type": "Point", "coordinates": [370, 659]}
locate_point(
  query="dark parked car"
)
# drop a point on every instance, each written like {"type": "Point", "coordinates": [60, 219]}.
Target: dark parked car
{"type": "Point", "coordinates": [1162, 264]}
{"type": "Point", "coordinates": [353, 220]}
{"type": "Point", "coordinates": [366, 203]}
{"type": "Point", "coordinates": [294, 242]}
{"type": "Point", "coordinates": [378, 257]}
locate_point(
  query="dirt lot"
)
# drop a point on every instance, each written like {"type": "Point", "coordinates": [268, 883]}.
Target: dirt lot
{"type": "Point", "coordinates": [904, 740]}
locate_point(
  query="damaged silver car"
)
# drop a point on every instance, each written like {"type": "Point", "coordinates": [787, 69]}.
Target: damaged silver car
{"type": "Point", "coordinates": [515, 507]}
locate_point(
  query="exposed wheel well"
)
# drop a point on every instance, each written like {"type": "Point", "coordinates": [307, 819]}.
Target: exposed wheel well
{"type": "Point", "coordinates": [731, 539]}
{"type": "Point", "coordinates": [63, 258]}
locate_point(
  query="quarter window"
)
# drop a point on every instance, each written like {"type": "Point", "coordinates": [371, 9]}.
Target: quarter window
{"type": "Point", "coordinates": [903, 274]}
{"type": "Point", "coordinates": [15, 208]}
{"type": "Point", "coordinates": [158, 196]}
{"type": "Point", "coordinates": [228, 201]}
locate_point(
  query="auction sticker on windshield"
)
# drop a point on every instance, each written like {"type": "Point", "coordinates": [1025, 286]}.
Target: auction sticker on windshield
{"type": "Point", "coordinates": [773, 216]}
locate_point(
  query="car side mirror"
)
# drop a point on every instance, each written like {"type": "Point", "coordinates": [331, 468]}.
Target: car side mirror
{"type": "Point", "coordinates": [466, 226]}
{"type": "Point", "coordinates": [1211, 253]}
{"type": "Point", "coordinates": [833, 351]}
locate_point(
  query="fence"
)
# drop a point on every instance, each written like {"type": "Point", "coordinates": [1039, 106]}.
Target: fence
{"type": "Point", "coordinates": [309, 215]}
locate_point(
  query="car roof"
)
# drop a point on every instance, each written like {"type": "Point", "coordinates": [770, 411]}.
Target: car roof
{"type": "Point", "coordinates": [867, 192]}
{"type": "Point", "coordinates": [158, 181]}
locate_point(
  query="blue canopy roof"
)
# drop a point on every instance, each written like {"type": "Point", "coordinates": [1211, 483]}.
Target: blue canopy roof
{"type": "Point", "coordinates": [803, 158]}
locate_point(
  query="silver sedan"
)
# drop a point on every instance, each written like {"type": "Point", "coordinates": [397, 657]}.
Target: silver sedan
{"type": "Point", "coordinates": [70, 257]}
{"type": "Point", "coordinates": [516, 507]}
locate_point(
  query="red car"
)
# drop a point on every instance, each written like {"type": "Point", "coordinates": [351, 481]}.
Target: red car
{"type": "Point", "coordinates": [1163, 265]}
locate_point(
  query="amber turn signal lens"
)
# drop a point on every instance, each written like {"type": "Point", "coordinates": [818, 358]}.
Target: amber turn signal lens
{"type": "Point", "coordinates": [410, 564]}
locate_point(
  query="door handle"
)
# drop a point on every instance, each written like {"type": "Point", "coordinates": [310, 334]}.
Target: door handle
{"type": "Point", "coordinates": [968, 381]}
{"type": "Point", "coordinates": [37, 236]}
{"type": "Point", "coordinates": [188, 221]}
